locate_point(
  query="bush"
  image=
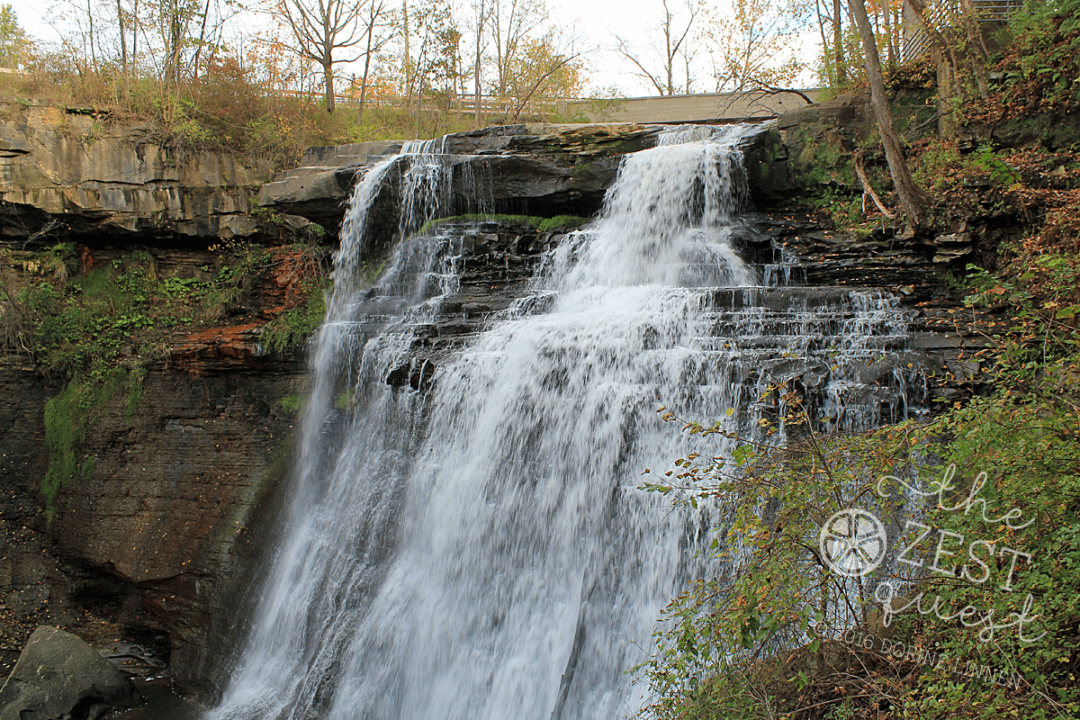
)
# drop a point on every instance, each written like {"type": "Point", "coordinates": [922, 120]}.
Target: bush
{"type": "Point", "coordinates": [758, 637]}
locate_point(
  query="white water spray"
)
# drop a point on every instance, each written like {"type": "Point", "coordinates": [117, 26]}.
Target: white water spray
{"type": "Point", "coordinates": [482, 553]}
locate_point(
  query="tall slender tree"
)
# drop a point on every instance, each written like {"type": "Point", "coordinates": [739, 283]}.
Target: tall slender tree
{"type": "Point", "coordinates": [838, 42]}
{"type": "Point", "coordinates": [478, 22]}
{"type": "Point", "coordinates": [378, 30]}
{"type": "Point", "coordinates": [911, 197]}
{"type": "Point", "coordinates": [675, 34]}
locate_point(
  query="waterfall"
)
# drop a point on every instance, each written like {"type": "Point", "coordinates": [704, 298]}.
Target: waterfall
{"type": "Point", "coordinates": [479, 549]}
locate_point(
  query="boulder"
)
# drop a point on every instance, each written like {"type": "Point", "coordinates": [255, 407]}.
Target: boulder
{"type": "Point", "coordinates": [60, 677]}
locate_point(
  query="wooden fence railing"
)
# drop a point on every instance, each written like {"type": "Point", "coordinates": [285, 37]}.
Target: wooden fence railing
{"type": "Point", "coordinates": [944, 15]}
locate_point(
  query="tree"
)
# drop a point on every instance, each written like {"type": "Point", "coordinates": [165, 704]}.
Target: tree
{"type": "Point", "coordinates": [481, 15]}
{"type": "Point", "coordinates": [543, 70]}
{"type": "Point", "coordinates": [322, 29]}
{"type": "Point", "coordinates": [838, 42]}
{"type": "Point", "coordinates": [674, 37]}
{"type": "Point", "coordinates": [887, 23]}
{"type": "Point", "coordinates": [431, 62]}
{"type": "Point", "coordinates": [174, 19]}
{"type": "Point", "coordinates": [911, 197]}
{"type": "Point", "coordinates": [14, 45]}
{"type": "Point", "coordinates": [753, 46]}
{"type": "Point", "coordinates": [510, 22]}
{"type": "Point", "coordinates": [378, 30]}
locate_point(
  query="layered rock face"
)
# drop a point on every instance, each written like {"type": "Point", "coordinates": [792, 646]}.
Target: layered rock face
{"type": "Point", "coordinates": [69, 173]}
{"type": "Point", "coordinates": [149, 540]}
{"type": "Point", "coordinates": [532, 169]}
{"type": "Point", "coordinates": [164, 536]}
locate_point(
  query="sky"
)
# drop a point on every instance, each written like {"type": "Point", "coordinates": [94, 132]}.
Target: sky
{"type": "Point", "coordinates": [595, 22]}
{"type": "Point", "coordinates": [600, 21]}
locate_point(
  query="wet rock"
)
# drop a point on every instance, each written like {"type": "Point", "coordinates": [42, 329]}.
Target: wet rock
{"type": "Point", "coordinates": [539, 169]}
{"type": "Point", "coordinates": [323, 179]}
{"type": "Point", "coordinates": [60, 677]}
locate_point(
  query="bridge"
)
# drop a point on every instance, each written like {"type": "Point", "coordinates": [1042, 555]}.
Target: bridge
{"type": "Point", "coordinates": [704, 108]}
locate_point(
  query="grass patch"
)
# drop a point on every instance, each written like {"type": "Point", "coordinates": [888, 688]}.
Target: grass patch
{"type": "Point", "coordinates": [291, 404]}
{"type": "Point", "coordinates": [124, 311]}
{"type": "Point", "coordinates": [536, 222]}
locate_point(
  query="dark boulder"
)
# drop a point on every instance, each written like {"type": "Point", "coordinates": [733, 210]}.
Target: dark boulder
{"type": "Point", "coordinates": [60, 677]}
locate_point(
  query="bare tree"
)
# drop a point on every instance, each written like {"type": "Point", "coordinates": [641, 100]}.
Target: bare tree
{"type": "Point", "coordinates": [481, 15]}
{"type": "Point", "coordinates": [510, 22]}
{"type": "Point", "coordinates": [674, 36]}
{"type": "Point", "coordinates": [911, 197]}
{"type": "Point", "coordinates": [378, 30]}
{"type": "Point", "coordinates": [323, 29]}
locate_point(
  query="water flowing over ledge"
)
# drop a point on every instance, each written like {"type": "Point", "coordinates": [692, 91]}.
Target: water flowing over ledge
{"type": "Point", "coordinates": [476, 547]}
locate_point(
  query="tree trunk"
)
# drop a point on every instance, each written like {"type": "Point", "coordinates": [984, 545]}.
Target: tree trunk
{"type": "Point", "coordinates": [328, 82]}
{"type": "Point", "coordinates": [202, 37]}
{"type": "Point", "coordinates": [481, 21]}
{"type": "Point", "coordinates": [408, 58]}
{"type": "Point", "coordinates": [890, 53]}
{"type": "Point", "coordinates": [838, 43]}
{"type": "Point", "coordinates": [821, 28]}
{"type": "Point", "coordinates": [911, 198]}
{"type": "Point", "coordinates": [367, 68]}
{"type": "Point", "coordinates": [977, 53]}
{"type": "Point", "coordinates": [177, 31]}
{"type": "Point", "coordinates": [90, 22]}
{"type": "Point", "coordinates": [135, 35]}
{"type": "Point", "coordinates": [123, 36]}
{"type": "Point", "coordinates": [669, 56]}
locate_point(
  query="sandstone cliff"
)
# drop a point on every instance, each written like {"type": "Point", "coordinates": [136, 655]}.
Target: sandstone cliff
{"type": "Point", "coordinates": [68, 173]}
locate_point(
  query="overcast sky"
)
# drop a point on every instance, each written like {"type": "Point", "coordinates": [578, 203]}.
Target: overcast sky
{"type": "Point", "coordinates": [594, 21]}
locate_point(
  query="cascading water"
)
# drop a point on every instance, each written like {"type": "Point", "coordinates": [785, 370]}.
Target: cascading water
{"type": "Point", "coordinates": [479, 550]}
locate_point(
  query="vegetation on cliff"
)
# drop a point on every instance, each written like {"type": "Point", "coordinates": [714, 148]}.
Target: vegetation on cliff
{"type": "Point", "coordinates": [985, 628]}
{"type": "Point", "coordinates": [101, 322]}
{"type": "Point", "coordinates": [974, 609]}
{"type": "Point", "coordinates": [76, 316]}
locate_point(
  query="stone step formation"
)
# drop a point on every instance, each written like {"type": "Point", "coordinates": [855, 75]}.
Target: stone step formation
{"type": "Point", "coordinates": [463, 537]}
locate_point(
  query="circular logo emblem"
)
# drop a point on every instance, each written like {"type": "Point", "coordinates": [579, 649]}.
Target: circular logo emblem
{"type": "Point", "coordinates": [852, 542]}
